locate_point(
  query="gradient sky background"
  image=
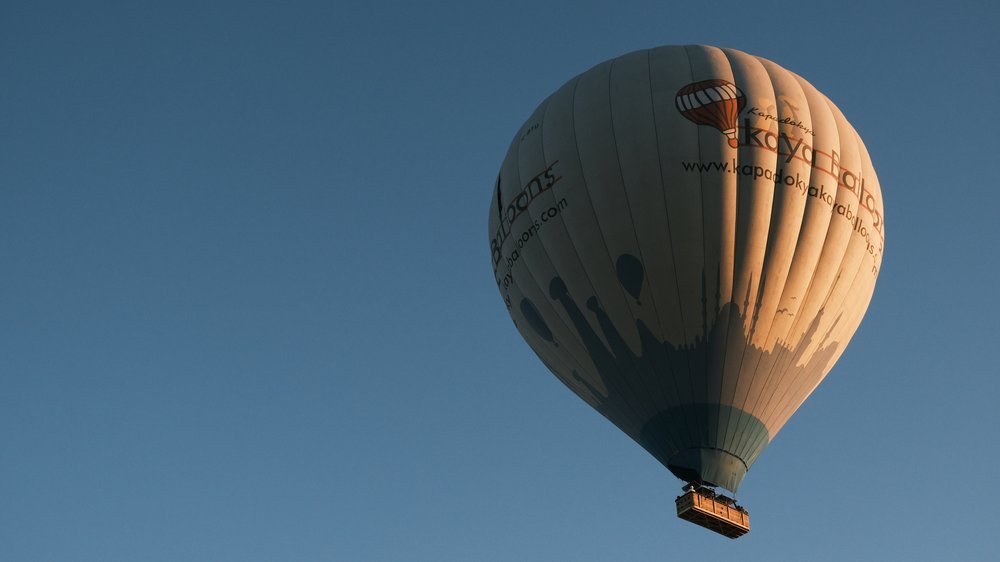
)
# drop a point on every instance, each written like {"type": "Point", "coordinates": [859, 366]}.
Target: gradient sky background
{"type": "Point", "coordinates": [248, 312]}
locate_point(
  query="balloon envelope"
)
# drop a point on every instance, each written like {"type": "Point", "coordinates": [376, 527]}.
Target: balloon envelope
{"type": "Point", "coordinates": [688, 237]}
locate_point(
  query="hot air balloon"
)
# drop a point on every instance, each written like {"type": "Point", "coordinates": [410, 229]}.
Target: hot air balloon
{"type": "Point", "coordinates": [688, 237]}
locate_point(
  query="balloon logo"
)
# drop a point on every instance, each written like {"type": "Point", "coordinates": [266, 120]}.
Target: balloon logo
{"type": "Point", "coordinates": [715, 103]}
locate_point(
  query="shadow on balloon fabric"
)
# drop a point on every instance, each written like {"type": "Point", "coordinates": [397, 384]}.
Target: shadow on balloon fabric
{"type": "Point", "coordinates": [705, 440]}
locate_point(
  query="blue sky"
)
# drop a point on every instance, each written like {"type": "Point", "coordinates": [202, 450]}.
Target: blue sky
{"type": "Point", "coordinates": [248, 311]}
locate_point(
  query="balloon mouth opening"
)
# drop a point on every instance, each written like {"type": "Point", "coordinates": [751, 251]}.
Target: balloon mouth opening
{"type": "Point", "coordinates": [689, 475]}
{"type": "Point", "coordinates": [734, 143]}
{"type": "Point", "coordinates": [710, 467]}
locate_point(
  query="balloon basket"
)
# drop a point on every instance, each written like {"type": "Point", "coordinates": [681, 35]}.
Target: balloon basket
{"type": "Point", "coordinates": [718, 513]}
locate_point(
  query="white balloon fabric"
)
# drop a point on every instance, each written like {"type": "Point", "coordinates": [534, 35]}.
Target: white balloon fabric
{"type": "Point", "coordinates": [688, 237]}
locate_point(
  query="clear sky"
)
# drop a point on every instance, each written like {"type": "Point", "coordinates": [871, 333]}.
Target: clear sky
{"type": "Point", "coordinates": [247, 311]}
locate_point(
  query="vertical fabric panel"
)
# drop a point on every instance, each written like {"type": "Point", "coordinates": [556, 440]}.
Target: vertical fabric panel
{"type": "Point", "coordinates": [783, 126]}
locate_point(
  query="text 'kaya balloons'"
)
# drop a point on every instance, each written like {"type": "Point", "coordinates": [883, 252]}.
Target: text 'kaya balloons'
{"type": "Point", "coordinates": [688, 237]}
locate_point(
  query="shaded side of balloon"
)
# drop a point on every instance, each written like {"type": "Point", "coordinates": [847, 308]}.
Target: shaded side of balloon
{"type": "Point", "coordinates": [670, 432]}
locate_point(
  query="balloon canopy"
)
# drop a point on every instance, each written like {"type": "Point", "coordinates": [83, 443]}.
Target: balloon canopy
{"type": "Point", "coordinates": [688, 238]}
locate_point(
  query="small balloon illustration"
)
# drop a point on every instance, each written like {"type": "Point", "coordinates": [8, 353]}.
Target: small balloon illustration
{"type": "Point", "coordinates": [716, 103]}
